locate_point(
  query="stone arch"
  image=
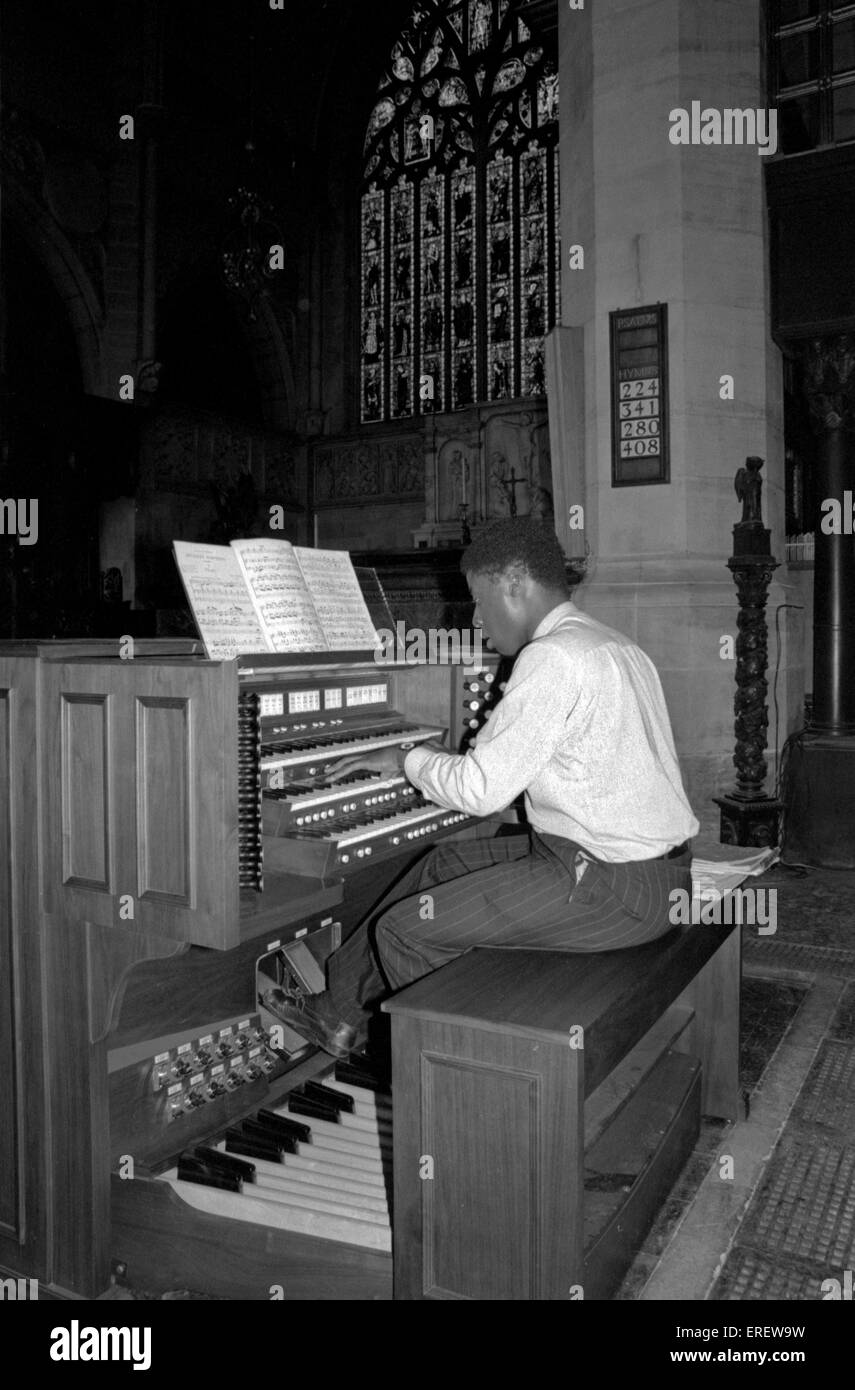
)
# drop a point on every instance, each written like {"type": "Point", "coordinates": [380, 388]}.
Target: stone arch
{"type": "Point", "coordinates": [71, 281]}
{"type": "Point", "coordinates": [272, 361]}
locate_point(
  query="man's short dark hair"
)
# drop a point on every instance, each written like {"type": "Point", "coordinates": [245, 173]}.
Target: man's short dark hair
{"type": "Point", "coordinates": [517, 541]}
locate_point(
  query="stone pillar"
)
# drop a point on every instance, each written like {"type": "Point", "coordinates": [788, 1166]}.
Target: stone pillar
{"type": "Point", "coordinates": [819, 786]}
{"type": "Point", "coordinates": [830, 387]}
{"type": "Point", "coordinates": [682, 225]}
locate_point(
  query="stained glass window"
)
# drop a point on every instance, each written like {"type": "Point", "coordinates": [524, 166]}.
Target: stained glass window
{"type": "Point", "coordinates": [459, 228]}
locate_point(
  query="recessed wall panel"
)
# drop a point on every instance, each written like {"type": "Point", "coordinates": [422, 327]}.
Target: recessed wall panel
{"type": "Point", "coordinates": [480, 1127]}
{"type": "Point", "coordinates": [9, 1128]}
{"type": "Point", "coordinates": [85, 791]}
{"type": "Point", "coordinates": [164, 802]}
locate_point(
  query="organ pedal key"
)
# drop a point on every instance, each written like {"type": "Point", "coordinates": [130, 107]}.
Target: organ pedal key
{"type": "Point", "coordinates": [319, 1162]}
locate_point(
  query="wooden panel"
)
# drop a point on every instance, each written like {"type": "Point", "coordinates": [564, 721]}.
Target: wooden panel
{"type": "Point", "coordinates": [23, 1183]}
{"type": "Point", "coordinates": [616, 996]}
{"type": "Point", "coordinates": [167, 1245]}
{"type": "Point", "coordinates": [84, 793]}
{"type": "Point", "coordinates": [164, 807]}
{"type": "Point", "coordinates": [9, 1130]}
{"type": "Point", "coordinates": [493, 1011]}
{"type": "Point", "coordinates": [480, 1126]}
{"type": "Point", "coordinates": [715, 995]}
{"type": "Point", "coordinates": [156, 797]}
{"type": "Point", "coordinates": [79, 1166]}
{"type": "Point", "coordinates": [518, 1159]}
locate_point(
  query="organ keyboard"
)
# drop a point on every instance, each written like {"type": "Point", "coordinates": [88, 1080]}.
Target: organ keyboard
{"type": "Point", "coordinates": [309, 825]}
{"type": "Point", "coordinates": [319, 1163]}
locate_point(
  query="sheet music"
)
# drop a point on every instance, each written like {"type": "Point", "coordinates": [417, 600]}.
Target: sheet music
{"type": "Point", "coordinates": [284, 605]}
{"type": "Point", "coordinates": [218, 597]}
{"type": "Point", "coordinates": [338, 599]}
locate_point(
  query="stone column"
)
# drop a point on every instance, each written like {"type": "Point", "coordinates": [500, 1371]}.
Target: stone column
{"type": "Point", "coordinates": [682, 225]}
{"type": "Point", "coordinates": [830, 388]}
{"type": "Point", "coordinates": [819, 784]}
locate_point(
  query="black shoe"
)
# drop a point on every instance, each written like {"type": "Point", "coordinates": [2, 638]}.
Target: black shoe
{"type": "Point", "coordinates": [312, 1016]}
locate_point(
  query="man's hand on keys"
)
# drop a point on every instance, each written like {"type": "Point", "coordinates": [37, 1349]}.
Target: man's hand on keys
{"type": "Point", "coordinates": [388, 762]}
{"type": "Point", "coordinates": [382, 760]}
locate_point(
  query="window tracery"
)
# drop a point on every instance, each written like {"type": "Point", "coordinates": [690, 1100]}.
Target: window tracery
{"type": "Point", "coordinates": [459, 216]}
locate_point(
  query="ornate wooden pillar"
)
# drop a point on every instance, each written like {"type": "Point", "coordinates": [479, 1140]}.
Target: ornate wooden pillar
{"type": "Point", "coordinates": [819, 784]}
{"type": "Point", "coordinates": [748, 815]}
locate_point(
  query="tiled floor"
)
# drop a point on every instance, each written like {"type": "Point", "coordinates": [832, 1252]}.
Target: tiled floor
{"type": "Point", "coordinates": [791, 1224]}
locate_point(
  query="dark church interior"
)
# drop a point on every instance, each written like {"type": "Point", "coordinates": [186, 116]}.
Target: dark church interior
{"type": "Point", "coordinates": [382, 280]}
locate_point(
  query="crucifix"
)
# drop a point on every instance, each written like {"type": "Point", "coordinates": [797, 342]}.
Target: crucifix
{"type": "Point", "coordinates": [509, 487]}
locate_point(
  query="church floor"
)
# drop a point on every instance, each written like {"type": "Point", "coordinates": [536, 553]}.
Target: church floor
{"type": "Point", "coordinates": [780, 1219]}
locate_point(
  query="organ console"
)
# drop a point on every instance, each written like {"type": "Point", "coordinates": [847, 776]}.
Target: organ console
{"type": "Point", "coordinates": [176, 850]}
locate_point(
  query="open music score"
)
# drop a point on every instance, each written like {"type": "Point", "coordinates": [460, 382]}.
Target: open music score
{"type": "Point", "coordinates": [286, 611]}
{"type": "Point", "coordinates": [262, 595]}
{"type": "Point", "coordinates": [221, 604]}
{"type": "Point", "coordinates": [337, 598]}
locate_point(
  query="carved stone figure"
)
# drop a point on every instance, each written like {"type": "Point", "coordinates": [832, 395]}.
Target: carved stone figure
{"type": "Point", "coordinates": [748, 487]}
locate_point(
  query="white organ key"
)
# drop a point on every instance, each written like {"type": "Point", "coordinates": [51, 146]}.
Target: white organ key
{"type": "Point", "coordinates": [346, 1152]}
{"type": "Point", "coordinates": [313, 1201]}
{"type": "Point", "coordinates": [331, 752]}
{"type": "Point", "coordinates": [363, 1140]}
{"type": "Point", "coordinates": [310, 1160]}
{"type": "Point", "coordinates": [375, 1208]}
{"type": "Point", "coordinates": [367, 1124]}
{"type": "Point", "coordinates": [285, 1174]}
{"type": "Point", "coordinates": [258, 1209]}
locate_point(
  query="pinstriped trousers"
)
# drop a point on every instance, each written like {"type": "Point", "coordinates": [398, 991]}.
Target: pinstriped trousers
{"type": "Point", "coordinates": [517, 891]}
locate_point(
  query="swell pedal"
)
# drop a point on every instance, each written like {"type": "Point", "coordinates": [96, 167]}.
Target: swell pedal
{"type": "Point", "coordinates": [302, 965]}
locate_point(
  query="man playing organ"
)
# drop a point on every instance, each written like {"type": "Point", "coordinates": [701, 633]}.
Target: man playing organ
{"type": "Point", "coordinates": [583, 732]}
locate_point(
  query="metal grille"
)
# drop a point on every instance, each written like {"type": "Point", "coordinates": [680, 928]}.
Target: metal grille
{"type": "Point", "coordinates": [751, 1276]}
{"type": "Point", "coordinates": [795, 956]}
{"type": "Point", "coordinates": [805, 1207]}
{"type": "Point", "coordinates": [827, 1098]}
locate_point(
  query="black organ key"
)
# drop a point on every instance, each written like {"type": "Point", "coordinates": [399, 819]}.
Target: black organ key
{"type": "Point", "coordinates": [253, 1128]}
{"type": "Point", "coordinates": [238, 1167]}
{"type": "Point", "coordinates": [280, 1125]}
{"type": "Point", "coordinates": [253, 1145]}
{"type": "Point", "coordinates": [337, 1099]}
{"type": "Point", "coordinates": [355, 1075]}
{"type": "Point", "coordinates": [314, 1109]}
{"type": "Point", "coordinates": [192, 1169]}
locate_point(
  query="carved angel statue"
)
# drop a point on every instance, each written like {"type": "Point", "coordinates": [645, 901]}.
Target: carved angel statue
{"type": "Point", "coordinates": [748, 486]}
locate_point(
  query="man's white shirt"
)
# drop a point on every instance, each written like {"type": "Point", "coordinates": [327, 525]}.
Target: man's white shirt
{"type": "Point", "coordinates": [583, 730]}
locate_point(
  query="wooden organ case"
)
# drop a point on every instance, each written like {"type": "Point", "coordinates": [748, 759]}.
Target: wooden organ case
{"type": "Point", "coordinates": [165, 827]}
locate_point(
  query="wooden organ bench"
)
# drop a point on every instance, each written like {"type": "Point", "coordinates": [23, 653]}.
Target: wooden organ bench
{"type": "Point", "coordinates": [545, 1103]}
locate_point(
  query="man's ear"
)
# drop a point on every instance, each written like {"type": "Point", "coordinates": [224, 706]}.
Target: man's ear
{"type": "Point", "coordinates": [515, 581]}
